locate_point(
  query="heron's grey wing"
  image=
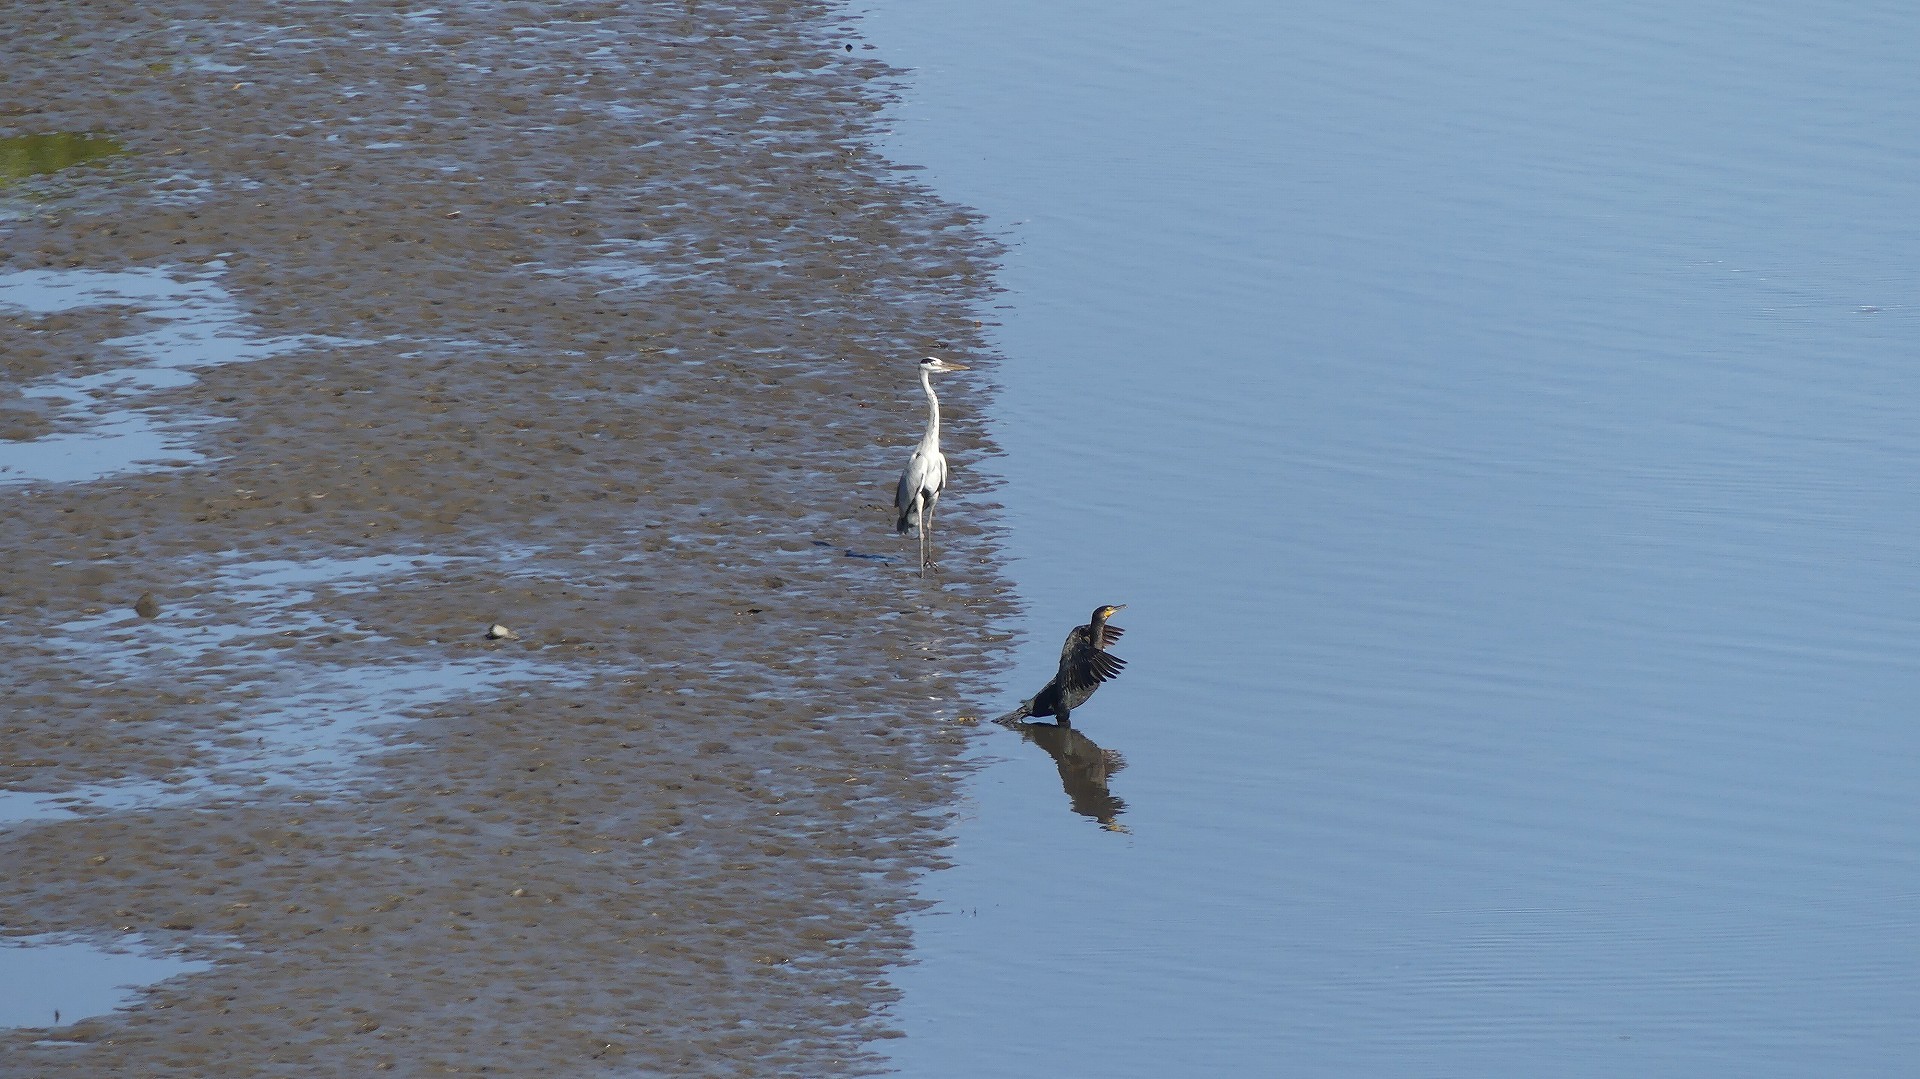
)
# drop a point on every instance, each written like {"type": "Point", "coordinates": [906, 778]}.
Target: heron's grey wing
{"type": "Point", "coordinates": [906, 495]}
{"type": "Point", "coordinates": [922, 469]}
{"type": "Point", "coordinates": [926, 473]}
{"type": "Point", "coordinates": [903, 492]}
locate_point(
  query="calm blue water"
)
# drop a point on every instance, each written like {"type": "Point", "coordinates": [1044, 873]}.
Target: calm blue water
{"type": "Point", "coordinates": [1502, 424]}
{"type": "Point", "coordinates": [50, 983]}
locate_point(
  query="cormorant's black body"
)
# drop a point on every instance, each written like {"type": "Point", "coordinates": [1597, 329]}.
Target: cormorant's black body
{"type": "Point", "coordinates": [1084, 664]}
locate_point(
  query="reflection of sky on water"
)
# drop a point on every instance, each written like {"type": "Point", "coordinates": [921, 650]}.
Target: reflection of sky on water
{"type": "Point", "coordinates": [45, 976]}
{"type": "Point", "coordinates": [622, 262]}
{"type": "Point", "coordinates": [288, 719]}
{"type": "Point", "coordinates": [106, 430]}
{"type": "Point", "coordinates": [1501, 421]}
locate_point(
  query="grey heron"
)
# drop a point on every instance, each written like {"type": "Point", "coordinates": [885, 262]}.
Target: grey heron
{"type": "Point", "coordinates": [926, 472]}
{"type": "Point", "coordinates": [1084, 664]}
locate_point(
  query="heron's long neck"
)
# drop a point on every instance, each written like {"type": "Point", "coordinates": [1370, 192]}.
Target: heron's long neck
{"type": "Point", "coordinates": [932, 437]}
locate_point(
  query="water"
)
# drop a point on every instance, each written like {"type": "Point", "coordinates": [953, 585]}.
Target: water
{"type": "Point", "coordinates": [46, 981]}
{"type": "Point", "coordinates": [284, 717]}
{"type": "Point", "coordinates": [195, 323]}
{"type": "Point", "coordinates": [1501, 424]}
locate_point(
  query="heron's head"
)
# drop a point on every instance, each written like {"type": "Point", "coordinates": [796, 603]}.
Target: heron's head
{"type": "Point", "coordinates": [1101, 614]}
{"type": "Point", "coordinates": [934, 365]}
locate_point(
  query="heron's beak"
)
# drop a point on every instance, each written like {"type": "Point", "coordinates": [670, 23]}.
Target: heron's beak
{"type": "Point", "coordinates": [954, 366]}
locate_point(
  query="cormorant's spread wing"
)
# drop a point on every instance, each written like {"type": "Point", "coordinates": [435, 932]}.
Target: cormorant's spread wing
{"type": "Point", "coordinates": [1113, 633]}
{"type": "Point", "coordinates": [1105, 666]}
{"type": "Point", "coordinates": [1082, 666]}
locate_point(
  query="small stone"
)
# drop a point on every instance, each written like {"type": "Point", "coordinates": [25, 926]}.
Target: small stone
{"type": "Point", "coordinates": [498, 632]}
{"type": "Point", "coordinates": [145, 606]}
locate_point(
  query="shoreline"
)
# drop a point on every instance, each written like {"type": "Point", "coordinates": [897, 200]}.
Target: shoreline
{"type": "Point", "coordinates": [596, 324]}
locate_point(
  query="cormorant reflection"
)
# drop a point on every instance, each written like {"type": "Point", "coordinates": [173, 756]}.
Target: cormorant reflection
{"type": "Point", "coordinates": [1084, 768]}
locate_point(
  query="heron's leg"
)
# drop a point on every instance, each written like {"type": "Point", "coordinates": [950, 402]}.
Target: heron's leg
{"type": "Point", "coordinates": [928, 529]}
{"type": "Point", "coordinates": [922, 536]}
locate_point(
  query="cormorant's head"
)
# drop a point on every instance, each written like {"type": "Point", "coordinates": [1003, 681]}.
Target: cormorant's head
{"type": "Point", "coordinates": [933, 365]}
{"type": "Point", "coordinates": [1101, 614]}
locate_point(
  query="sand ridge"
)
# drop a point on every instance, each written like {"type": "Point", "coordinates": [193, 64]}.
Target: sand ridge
{"type": "Point", "coordinates": [601, 320]}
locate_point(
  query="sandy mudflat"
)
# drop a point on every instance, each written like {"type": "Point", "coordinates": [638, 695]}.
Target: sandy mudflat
{"type": "Point", "coordinates": [596, 320]}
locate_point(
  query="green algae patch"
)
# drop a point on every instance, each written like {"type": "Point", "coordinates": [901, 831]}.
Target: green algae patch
{"type": "Point", "coordinates": [22, 156]}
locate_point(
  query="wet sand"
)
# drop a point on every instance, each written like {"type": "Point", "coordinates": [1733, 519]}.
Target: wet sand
{"type": "Point", "coordinates": [593, 320]}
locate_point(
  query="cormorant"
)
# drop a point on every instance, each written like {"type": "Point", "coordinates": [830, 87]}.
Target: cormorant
{"type": "Point", "coordinates": [1084, 664]}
